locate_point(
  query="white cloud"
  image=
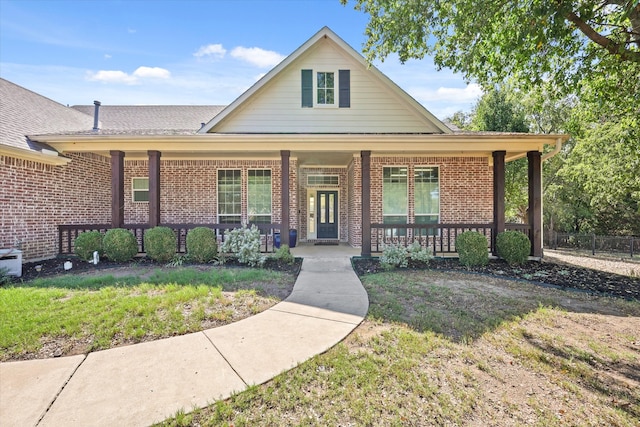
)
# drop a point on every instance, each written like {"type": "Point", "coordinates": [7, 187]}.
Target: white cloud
{"type": "Point", "coordinates": [215, 51]}
{"type": "Point", "coordinates": [107, 56]}
{"type": "Point", "coordinates": [257, 56]}
{"type": "Point", "coordinates": [152, 72]}
{"type": "Point", "coordinates": [117, 76]}
{"type": "Point", "coordinates": [469, 93]}
{"type": "Point", "coordinates": [111, 76]}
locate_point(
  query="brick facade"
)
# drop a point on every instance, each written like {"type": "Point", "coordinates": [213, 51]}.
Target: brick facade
{"type": "Point", "coordinates": [36, 198]}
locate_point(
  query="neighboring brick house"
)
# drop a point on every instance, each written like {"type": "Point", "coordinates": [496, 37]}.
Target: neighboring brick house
{"type": "Point", "coordinates": [323, 143]}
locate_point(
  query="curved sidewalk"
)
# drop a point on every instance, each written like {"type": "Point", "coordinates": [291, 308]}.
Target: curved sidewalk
{"type": "Point", "coordinates": [140, 384]}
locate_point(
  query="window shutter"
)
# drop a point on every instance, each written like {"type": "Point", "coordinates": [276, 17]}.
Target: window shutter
{"type": "Point", "coordinates": [307, 88]}
{"type": "Point", "coordinates": [344, 77]}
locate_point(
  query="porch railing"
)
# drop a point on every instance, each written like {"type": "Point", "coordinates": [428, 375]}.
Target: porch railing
{"type": "Point", "coordinates": [440, 238]}
{"type": "Point", "coordinates": [68, 233]}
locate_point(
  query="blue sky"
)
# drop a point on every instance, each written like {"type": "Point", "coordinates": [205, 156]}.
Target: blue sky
{"type": "Point", "coordinates": [193, 52]}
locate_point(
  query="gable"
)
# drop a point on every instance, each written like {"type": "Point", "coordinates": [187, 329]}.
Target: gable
{"type": "Point", "coordinates": [362, 100]}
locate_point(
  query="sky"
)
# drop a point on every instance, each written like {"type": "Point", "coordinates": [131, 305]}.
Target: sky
{"type": "Point", "coordinates": [188, 52]}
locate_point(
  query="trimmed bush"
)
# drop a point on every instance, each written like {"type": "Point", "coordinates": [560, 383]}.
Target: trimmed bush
{"type": "Point", "coordinates": [244, 243]}
{"type": "Point", "coordinates": [283, 254]}
{"type": "Point", "coordinates": [160, 244]}
{"type": "Point", "coordinates": [202, 245]}
{"type": "Point", "coordinates": [394, 256]}
{"type": "Point", "coordinates": [513, 246]}
{"type": "Point", "coordinates": [119, 245]}
{"type": "Point", "coordinates": [87, 243]}
{"type": "Point", "coordinates": [472, 249]}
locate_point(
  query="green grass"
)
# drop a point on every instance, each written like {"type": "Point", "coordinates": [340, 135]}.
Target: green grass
{"type": "Point", "coordinates": [105, 311]}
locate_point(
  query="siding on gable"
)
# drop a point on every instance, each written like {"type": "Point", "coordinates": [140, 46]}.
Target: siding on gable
{"type": "Point", "coordinates": [374, 108]}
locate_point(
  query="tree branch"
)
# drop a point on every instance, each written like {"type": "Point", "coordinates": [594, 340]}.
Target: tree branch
{"type": "Point", "coordinates": [611, 46]}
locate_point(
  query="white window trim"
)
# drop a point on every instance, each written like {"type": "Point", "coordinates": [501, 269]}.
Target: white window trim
{"type": "Point", "coordinates": [336, 90]}
{"type": "Point", "coordinates": [439, 214]}
{"type": "Point", "coordinates": [218, 215]}
{"type": "Point", "coordinates": [407, 207]}
{"type": "Point", "coordinates": [271, 207]}
{"type": "Point", "coordinates": [135, 190]}
{"type": "Point", "coordinates": [320, 186]}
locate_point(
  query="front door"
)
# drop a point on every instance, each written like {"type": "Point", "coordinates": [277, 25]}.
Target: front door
{"type": "Point", "coordinates": [327, 215]}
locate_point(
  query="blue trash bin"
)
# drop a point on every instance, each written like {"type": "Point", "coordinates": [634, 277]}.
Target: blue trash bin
{"type": "Point", "coordinates": [276, 240]}
{"type": "Point", "coordinates": [293, 237]}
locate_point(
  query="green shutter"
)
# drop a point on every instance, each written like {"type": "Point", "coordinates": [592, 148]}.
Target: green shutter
{"type": "Point", "coordinates": [307, 88]}
{"type": "Point", "coordinates": [344, 76]}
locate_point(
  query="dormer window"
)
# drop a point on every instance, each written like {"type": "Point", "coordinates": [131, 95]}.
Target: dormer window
{"type": "Point", "coordinates": [328, 89]}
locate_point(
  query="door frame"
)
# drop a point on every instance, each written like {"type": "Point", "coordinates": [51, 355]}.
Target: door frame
{"type": "Point", "coordinates": [314, 191]}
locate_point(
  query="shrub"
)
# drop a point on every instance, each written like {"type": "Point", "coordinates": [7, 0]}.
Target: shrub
{"type": "Point", "coordinates": [394, 256]}
{"type": "Point", "coordinates": [119, 245]}
{"type": "Point", "coordinates": [244, 243]}
{"type": "Point", "coordinates": [283, 254]}
{"type": "Point", "coordinates": [5, 279]}
{"type": "Point", "coordinates": [160, 243]}
{"type": "Point", "coordinates": [513, 246]}
{"type": "Point", "coordinates": [417, 253]}
{"type": "Point", "coordinates": [202, 245]}
{"type": "Point", "coordinates": [472, 249]}
{"type": "Point", "coordinates": [87, 243]}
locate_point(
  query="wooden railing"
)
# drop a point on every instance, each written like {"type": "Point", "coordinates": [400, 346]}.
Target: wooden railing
{"type": "Point", "coordinates": [440, 238]}
{"type": "Point", "coordinates": [68, 233]}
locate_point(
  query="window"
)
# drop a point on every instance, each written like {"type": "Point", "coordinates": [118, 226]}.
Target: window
{"type": "Point", "coordinates": [229, 196]}
{"type": "Point", "coordinates": [325, 89]}
{"type": "Point", "coordinates": [394, 197]}
{"type": "Point", "coordinates": [328, 91]}
{"type": "Point", "coordinates": [332, 180]}
{"type": "Point", "coordinates": [259, 200]}
{"type": "Point", "coordinates": [426, 198]}
{"type": "Point", "coordinates": [140, 189]}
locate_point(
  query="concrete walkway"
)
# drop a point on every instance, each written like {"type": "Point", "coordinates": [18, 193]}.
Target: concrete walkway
{"type": "Point", "coordinates": [140, 384]}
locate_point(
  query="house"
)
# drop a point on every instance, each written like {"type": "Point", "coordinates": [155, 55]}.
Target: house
{"type": "Point", "coordinates": [324, 144]}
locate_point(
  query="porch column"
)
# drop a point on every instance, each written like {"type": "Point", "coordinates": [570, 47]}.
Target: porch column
{"type": "Point", "coordinates": [366, 202]}
{"type": "Point", "coordinates": [535, 201]}
{"type": "Point", "coordinates": [117, 189]}
{"type": "Point", "coordinates": [154, 188]}
{"type": "Point", "coordinates": [498, 197]}
{"type": "Point", "coordinates": [284, 189]}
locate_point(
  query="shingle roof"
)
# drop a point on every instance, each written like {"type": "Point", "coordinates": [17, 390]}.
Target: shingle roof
{"type": "Point", "coordinates": [23, 112]}
{"type": "Point", "coordinates": [152, 119]}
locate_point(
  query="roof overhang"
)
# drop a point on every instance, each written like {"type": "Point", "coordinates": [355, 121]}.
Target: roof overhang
{"type": "Point", "coordinates": [322, 146]}
{"type": "Point", "coordinates": [46, 156]}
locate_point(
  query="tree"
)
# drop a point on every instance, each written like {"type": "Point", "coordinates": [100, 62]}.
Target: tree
{"type": "Point", "coordinates": [587, 47]}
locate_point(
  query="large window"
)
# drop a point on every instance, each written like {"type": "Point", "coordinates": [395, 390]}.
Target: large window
{"type": "Point", "coordinates": [229, 196]}
{"type": "Point", "coordinates": [426, 197]}
{"type": "Point", "coordinates": [394, 196]}
{"type": "Point", "coordinates": [325, 89]}
{"type": "Point", "coordinates": [259, 200]}
{"type": "Point", "coordinates": [140, 189]}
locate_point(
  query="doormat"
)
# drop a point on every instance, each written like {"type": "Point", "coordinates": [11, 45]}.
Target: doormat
{"type": "Point", "coordinates": [326, 244]}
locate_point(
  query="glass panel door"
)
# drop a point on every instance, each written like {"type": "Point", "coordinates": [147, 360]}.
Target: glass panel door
{"type": "Point", "coordinates": [327, 215]}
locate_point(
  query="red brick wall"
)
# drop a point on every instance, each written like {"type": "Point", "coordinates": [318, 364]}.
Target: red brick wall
{"type": "Point", "coordinates": [189, 192]}
{"type": "Point", "coordinates": [36, 198]}
{"type": "Point", "coordinates": [354, 176]}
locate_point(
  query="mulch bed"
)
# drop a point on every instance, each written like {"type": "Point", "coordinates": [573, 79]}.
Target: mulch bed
{"type": "Point", "coordinates": [542, 273]}
{"type": "Point", "coordinates": [55, 266]}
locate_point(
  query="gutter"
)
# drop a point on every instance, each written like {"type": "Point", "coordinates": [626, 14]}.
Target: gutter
{"type": "Point", "coordinates": [49, 157]}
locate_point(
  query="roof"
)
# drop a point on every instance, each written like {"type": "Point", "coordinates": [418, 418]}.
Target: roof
{"type": "Point", "coordinates": [151, 119]}
{"type": "Point", "coordinates": [23, 112]}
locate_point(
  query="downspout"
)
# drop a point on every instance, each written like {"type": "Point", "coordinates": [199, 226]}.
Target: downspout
{"type": "Point", "coordinates": [544, 157]}
{"type": "Point", "coordinates": [555, 151]}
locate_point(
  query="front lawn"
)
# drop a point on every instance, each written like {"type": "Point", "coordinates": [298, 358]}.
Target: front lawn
{"type": "Point", "coordinates": [77, 314]}
{"type": "Point", "coordinates": [450, 348]}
